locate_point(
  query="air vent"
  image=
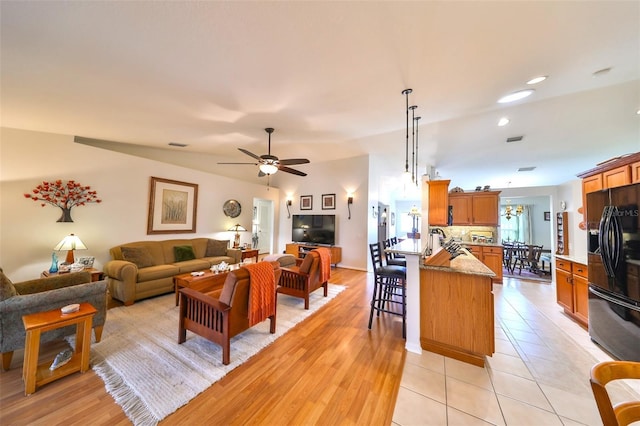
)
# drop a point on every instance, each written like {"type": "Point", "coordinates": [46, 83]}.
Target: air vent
{"type": "Point", "coordinates": [181, 145]}
{"type": "Point", "coordinates": [526, 169]}
{"type": "Point", "coordinates": [515, 139]}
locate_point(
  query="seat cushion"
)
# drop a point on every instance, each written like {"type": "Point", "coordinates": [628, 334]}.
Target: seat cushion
{"type": "Point", "coordinates": [138, 255]}
{"type": "Point", "coordinates": [393, 271]}
{"type": "Point", "coordinates": [157, 272]}
{"type": "Point", "coordinates": [183, 253]}
{"type": "Point", "coordinates": [284, 260]}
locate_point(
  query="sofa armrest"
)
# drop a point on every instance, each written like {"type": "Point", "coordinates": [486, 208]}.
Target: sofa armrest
{"type": "Point", "coordinates": [121, 270]}
{"type": "Point", "coordinates": [236, 254]}
{"type": "Point", "coordinates": [39, 285]}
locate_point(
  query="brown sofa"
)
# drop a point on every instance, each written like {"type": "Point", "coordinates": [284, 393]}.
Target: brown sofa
{"type": "Point", "coordinates": [146, 268]}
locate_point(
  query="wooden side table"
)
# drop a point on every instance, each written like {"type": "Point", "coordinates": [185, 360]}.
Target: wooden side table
{"type": "Point", "coordinates": [96, 275]}
{"type": "Point", "coordinates": [35, 375]}
{"type": "Point", "coordinates": [249, 253]}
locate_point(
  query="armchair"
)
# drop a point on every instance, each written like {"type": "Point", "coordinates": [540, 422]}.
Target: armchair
{"type": "Point", "coordinates": [313, 273]}
{"type": "Point", "coordinates": [222, 314]}
{"type": "Point", "coordinates": [44, 294]}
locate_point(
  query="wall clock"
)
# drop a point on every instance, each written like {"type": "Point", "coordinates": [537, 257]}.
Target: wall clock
{"type": "Point", "coordinates": [232, 208]}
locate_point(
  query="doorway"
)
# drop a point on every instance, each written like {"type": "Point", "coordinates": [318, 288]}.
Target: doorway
{"type": "Point", "coordinates": [262, 225]}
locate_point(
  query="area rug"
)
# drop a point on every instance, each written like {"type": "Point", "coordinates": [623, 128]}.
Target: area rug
{"type": "Point", "coordinates": [150, 375]}
{"type": "Point", "coordinates": [527, 275]}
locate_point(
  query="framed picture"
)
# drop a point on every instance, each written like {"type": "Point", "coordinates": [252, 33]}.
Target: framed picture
{"type": "Point", "coordinates": [328, 201]}
{"type": "Point", "coordinates": [306, 202]}
{"type": "Point", "coordinates": [547, 216]}
{"type": "Point", "coordinates": [86, 261]}
{"type": "Point", "coordinates": [172, 207]}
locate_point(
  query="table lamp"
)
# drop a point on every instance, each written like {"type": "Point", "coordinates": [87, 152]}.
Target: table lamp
{"type": "Point", "coordinates": [70, 243]}
{"type": "Point", "coordinates": [237, 228]}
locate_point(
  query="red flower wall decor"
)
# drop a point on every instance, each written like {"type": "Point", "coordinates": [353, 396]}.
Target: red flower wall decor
{"type": "Point", "coordinates": [63, 195]}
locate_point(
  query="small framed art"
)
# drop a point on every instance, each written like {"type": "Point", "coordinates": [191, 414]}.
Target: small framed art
{"type": "Point", "coordinates": [306, 202]}
{"type": "Point", "coordinates": [328, 201]}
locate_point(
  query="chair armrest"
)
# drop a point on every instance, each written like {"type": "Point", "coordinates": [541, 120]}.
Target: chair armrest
{"type": "Point", "coordinates": [236, 254]}
{"type": "Point", "coordinates": [40, 285]}
{"type": "Point", "coordinates": [188, 293]}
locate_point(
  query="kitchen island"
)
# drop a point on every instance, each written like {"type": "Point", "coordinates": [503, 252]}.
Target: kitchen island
{"type": "Point", "coordinates": [456, 309]}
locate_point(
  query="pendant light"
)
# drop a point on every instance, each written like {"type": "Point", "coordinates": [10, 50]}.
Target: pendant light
{"type": "Point", "coordinates": [406, 148]}
{"type": "Point", "coordinates": [417, 121]}
{"type": "Point", "coordinates": [413, 142]}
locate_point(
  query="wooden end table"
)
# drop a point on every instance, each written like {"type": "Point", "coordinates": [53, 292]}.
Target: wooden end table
{"type": "Point", "coordinates": [249, 253]}
{"type": "Point", "coordinates": [35, 375]}
{"type": "Point", "coordinates": [210, 281]}
{"type": "Point", "coordinates": [96, 275]}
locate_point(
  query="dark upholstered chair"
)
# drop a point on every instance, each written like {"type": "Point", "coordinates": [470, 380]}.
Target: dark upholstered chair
{"type": "Point", "coordinates": [389, 284]}
{"type": "Point", "coordinates": [300, 281]}
{"type": "Point", "coordinates": [222, 314]}
{"type": "Point", "coordinates": [392, 258]}
{"type": "Point", "coordinates": [45, 294]}
{"type": "Point", "coordinates": [625, 412]}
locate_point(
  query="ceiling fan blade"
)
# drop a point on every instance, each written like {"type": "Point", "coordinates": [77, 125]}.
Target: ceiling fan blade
{"type": "Point", "coordinates": [249, 153]}
{"type": "Point", "coordinates": [292, 171]}
{"type": "Point", "coordinates": [294, 161]}
{"type": "Point", "coordinates": [254, 164]}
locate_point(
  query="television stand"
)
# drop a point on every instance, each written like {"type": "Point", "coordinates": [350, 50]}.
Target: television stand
{"type": "Point", "coordinates": [299, 250]}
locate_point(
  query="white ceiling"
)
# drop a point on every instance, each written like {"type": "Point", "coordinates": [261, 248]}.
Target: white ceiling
{"type": "Point", "coordinates": [329, 75]}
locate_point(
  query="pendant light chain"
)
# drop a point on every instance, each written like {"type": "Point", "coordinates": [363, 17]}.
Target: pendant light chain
{"type": "Point", "coordinates": [406, 146]}
{"type": "Point", "coordinates": [417, 120]}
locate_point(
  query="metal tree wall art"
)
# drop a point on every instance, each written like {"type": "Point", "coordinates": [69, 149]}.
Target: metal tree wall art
{"type": "Point", "coordinates": [63, 195]}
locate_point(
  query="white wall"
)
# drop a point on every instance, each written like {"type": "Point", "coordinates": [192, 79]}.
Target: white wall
{"type": "Point", "coordinates": [571, 193]}
{"type": "Point", "coordinates": [28, 232]}
{"type": "Point", "coordinates": [339, 177]}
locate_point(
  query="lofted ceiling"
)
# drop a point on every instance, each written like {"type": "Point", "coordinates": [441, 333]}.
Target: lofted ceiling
{"type": "Point", "coordinates": [328, 77]}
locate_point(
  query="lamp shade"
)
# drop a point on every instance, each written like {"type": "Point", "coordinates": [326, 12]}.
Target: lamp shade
{"type": "Point", "coordinates": [237, 228]}
{"type": "Point", "coordinates": [70, 243]}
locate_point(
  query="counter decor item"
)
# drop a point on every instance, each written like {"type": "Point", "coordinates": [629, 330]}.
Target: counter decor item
{"type": "Point", "coordinates": [63, 195]}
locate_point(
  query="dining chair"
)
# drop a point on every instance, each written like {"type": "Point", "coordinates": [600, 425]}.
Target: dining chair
{"type": "Point", "coordinates": [622, 413]}
{"type": "Point", "coordinates": [389, 283]}
{"type": "Point", "coordinates": [390, 257]}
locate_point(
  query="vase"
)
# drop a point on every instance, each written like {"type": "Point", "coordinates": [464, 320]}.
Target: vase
{"type": "Point", "coordinates": [54, 263]}
{"type": "Point", "coordinates": [66, 215]}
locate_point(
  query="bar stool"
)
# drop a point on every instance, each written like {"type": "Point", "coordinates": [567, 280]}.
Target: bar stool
{"type": "Point", "coordinates": [391, 257]}
{"type": "Point", "coordinates": [390, 281]}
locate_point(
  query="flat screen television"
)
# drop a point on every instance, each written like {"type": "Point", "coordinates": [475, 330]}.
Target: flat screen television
{"type": "Point", "coordinates": [314, 229]}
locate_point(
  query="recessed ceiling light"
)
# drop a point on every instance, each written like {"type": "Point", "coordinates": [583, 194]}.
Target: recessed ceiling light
{"type": "Point", "coordinates": [638, 112]}
{"type": "Point", "coordinates": [503, 121]}
{"type": "Point", "coordinates": [515, 96]}
{"type": "Point", "coordinates": [537, 80]}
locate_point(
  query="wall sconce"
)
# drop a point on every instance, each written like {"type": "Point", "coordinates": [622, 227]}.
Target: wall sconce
{"type": "Point", "coordinates": [288, 204]}
{"type": "Point", "coordinates": [349, 202]}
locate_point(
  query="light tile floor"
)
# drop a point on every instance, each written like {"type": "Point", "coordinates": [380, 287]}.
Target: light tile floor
{"type": "Point", "coordinates": [539, 374]}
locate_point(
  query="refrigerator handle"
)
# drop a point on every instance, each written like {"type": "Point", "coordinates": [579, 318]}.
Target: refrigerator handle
{"type": "Point", "coordinates": [605, 241]}
{"type": "Point", "coordinates": [617, 240]}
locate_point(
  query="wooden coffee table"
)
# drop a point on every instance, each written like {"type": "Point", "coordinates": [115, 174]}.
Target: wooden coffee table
{"type": "Point", "coordinates": [210, 281]}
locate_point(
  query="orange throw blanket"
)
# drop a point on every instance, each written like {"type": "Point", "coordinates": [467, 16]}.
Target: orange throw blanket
{"type": "Point", "coordinates": [262, 292]}
{"type": "Point", "coordinates": [325, 264]}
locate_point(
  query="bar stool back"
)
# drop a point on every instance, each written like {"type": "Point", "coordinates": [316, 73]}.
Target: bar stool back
{"type": "Point", "coordinates": [389, 284]}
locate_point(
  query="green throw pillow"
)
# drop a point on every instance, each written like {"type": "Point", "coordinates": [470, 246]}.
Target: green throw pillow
{"type": "Point", "coordinates": [138, 255]}
{"type": "Point", "coordinates": [216, 248]}
{"type": "Point", "coordinates": [182, 253]}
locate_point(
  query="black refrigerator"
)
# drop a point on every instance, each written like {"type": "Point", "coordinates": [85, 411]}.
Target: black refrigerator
{"type": "Point", "coordinates": [613, 226]}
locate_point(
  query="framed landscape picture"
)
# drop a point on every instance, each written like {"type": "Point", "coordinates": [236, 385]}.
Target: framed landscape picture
{"type": "Point", "coordinates": [172, 207]}
{"type": "Point", "coordinates": [328, 201]}
{"type": "Point", "coordinates": [306, 202]}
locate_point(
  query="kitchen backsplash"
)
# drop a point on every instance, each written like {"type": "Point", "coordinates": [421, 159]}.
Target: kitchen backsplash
{"type": "Point", "coordinates": [485, 234]}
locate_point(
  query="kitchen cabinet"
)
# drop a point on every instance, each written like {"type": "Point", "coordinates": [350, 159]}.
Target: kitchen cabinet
{"type": "Point", "coordinates": [478, 208]}
{"type": "Point", "coordinates": [572, 289]}
{"type": "Point", "coordinates": [438, 202]}
{"type": "Point", "coordinates": [491, 256]}
{"type": "Point", "coordinates": [635, 172]}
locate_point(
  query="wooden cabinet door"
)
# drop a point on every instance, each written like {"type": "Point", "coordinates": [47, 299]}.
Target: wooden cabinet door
{"type": "Point", "coordinates": [438, 202]}
{"type": "Point", "coordinates": [492, 257]}
{"type": "Point", "coordinates": [476, 251]}
{"type": "Point", "coordinates": [485, 209]}
{"type": "Point", "coordinates": [581, 298]}
{"type": "Point", "coordinates": [461, 205]}
{"type": "Point", "coordinates": [635, 172]}
{"type": "Point", "coordinates": [619, 176]}
{"type": "Point", "coordinates": [592, 183]}
{"type": "Point", "coordinates": [564, 289]}
{"type": "Point", "coordinates": [293, 249]}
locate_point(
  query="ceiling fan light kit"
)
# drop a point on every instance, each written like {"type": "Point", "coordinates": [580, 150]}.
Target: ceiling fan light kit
{"type": "Point", "coordinates": [270, 164]}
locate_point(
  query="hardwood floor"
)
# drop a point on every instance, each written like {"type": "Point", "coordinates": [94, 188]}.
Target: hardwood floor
{"type": "Point", "coordinates": [329, 369]}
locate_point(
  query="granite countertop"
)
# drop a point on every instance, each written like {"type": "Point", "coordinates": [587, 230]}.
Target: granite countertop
{"type": "Point", "coordinates": [408, 246]}
{"type": "Point", "coordinates": [576, 259]}
{"type": "Point", "coordinates": [471, 243]}
{"type": "Point", "coordinates": [465, 264]}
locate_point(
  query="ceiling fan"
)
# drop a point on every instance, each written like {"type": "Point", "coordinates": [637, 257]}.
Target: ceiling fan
{"type": "Point", "coordinates": [270, 164]}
